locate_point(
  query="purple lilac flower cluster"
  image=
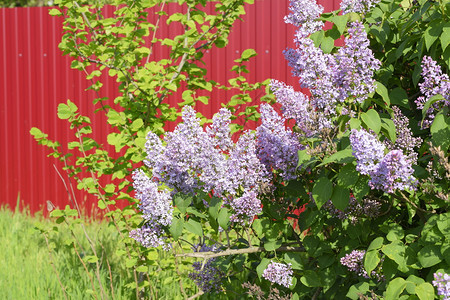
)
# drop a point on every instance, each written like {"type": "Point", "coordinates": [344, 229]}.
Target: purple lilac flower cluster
{"type": "Point", "coordinates": [193, 158]}
{"type": "Point", "coordinates": [442, 283]}
{"type": "Point", "coordinates": [190, 159]}
{"type": "Point", "coordinates": [367, 150]}
{"type": "Point", "coordinates": [150, 235]}
{"type": "Point", "coordinates": [304, 14]}
{"type": "Point", "coordinates": [435, 82]}
{"type": "Point", "coordinates": [242, 168]}
{"type": "Point", "coordinates": [405, 140]}
{"type": "Point", "coordinates": [368, 208]}
{"type": "Point", "coordinates": [393, 172]}
{"type": "Point", "coordinates": [355, 65]}
{"type": "Point", "coordinates": [354, 262]}
{"type": "Point", "coordinates": [315, 70]}
{"type": "Point", "coordinates": [207, 276]}
{"type": "Point", "coordinates": [156, 206]}
{"type": "Point", "coordinates": [294, 105]}
{"type": "Point", "coordinates": [219, 131]}
{"type": "Point", "coordinates": [277, 146]}
{"type": "Point", "coordinates": [245, 207]}
{"type": "Point", "coordinates": [279, 273]}
{"type": "Point", "coordinates": [331, 79]}
{"type": "Point", "coordinates": [357, 6]}
{"type": "Point", "coordinates": [388, 172]}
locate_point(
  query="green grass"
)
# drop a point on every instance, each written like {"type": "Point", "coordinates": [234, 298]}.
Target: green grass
{"type": "Point", "coordinates": [29, 269]}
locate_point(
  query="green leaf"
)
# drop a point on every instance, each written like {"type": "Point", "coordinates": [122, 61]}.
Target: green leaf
{"type": "Point", "coordinates": [248, 53]}
{"type": "Point", "coordinates": [322, 191]}
{"type": "Point", "coordinates": [389, 127]}
{"type": "Point", "coordinates": [358, 289]}
{"type": "Point", "coordinates": [383, 92]}
{"type": "Point", "coordinates": [395, 288]}
{"type": "Point", "coordinates": [262, 266]}
{"type": "Point", "coordinates": [396, 233]}
{"type": "Point", "coordinates": [341, 157]}
{"type": "Point", "coordinates": [65, 111]}
{"type": "Point", "coordinates": [295, 259]}
{"type": "Point", "coordinates": [224, 218]}
{"type": "Point", "coordinates": [354, 123]}
{"type": "Point", "coordinates": [91, 258]}
{"type": "Point", "coordinates": [361, 188]}
{"type": "Point", "coordinates": [182, 202]}
{"type": "Point", "coordinates": [371, 260]}
{"type": "Point", "coordinates": [425, 291]}
{"type": "Point", "coordinates": [138, 123]}
{"type": "Point", "coordinates": [430, 102]}
{"type": "Point", "coordinates": [176, 228]}
{"type": "Point", "coordinates": [220, 42]}
{"type": "Point", "coordinates": [399, 97]}
{"type": "Point", "coordinates": [432, 33]}
{"type": "Point", "coordinates": [340, 197]}
{"type": "Point", "coordinates": [310, 279]}
{"type": "Point", "coordinates": [303, 157]}
{"type": "Point", "coordinates": [396, 252]}
{"type": "Point", "coordinates": [340, 22]}
{"type": "Point", "coordinates": [214, 206]}
{"type": "Point", "coordinates": [443, 224]}
{"type": "Point", "coordinates": [429, 256]}
{"type": "Point", "coordinates": [130, 262]}
{"type": "Point", "coordinates": [440, 131]}
{"type": "Point", "coordinates": [272, 245]}
{"type": "Point", "coordinates": [347, 176]}
{"type": "Point", "coordinates": [317, 37]}
{"type": "Point", "coordinates": [194, 227]}
{"type": "Point", "coordinates": [115, 118]}
{"type": "Point", "coordinates": [101, 204]}
{"type": "Point", "coordinates": [258, 227]}
{"type": "Point", "coordinates": [54, 12]}
{"type": "Point", "coordinates": [376, 244]}
{"type": "Point", "coordinates": [142, 269]}
{"type": "Point", "coordinates": [445, 36]}
{"type": "Point", "coordinates": [327, 44]}
{"type": "Point", "coordinates": [372, 120]}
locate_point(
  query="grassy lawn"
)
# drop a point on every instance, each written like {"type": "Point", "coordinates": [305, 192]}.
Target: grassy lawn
{"type": "Point", "coordinates": [38, 266]}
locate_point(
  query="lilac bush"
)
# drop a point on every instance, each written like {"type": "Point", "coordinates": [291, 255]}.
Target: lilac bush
{"type": "Point", "coordinates": [348, 147]}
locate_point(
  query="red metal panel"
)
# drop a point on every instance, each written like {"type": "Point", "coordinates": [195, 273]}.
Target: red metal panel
{"type": "Point", "coordinates": [35, 78]}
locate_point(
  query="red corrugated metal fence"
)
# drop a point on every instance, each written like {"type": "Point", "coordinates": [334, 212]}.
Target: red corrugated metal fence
{"type": "Point", "coordinates": [35, 78]}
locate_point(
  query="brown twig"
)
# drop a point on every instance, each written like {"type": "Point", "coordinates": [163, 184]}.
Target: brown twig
{"type": "Point", "coordinates": [317, 293]}
{"type": "Point", "coordinates": [210, 254]}
{"type": "Point", "coordinates": [196, 295]}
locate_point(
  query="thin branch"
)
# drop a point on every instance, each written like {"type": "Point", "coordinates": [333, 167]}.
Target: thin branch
{"type": "Point", "coordinates": [406, 199]}
{"type": "Point", "coordinates": [317, 293]}
{"type": "Point", "coordinates": [210, 254]}
{"type": "Point", "coordinates": [53, 266]}
{"type": "Point", "coordinates": [196, 295]}
{"type": "Point", "coordinates": [154, 32]}
{"type": "Point", "coordinates": [86, 20]}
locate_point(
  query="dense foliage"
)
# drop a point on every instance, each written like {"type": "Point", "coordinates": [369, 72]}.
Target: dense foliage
{"type": "Point", "coordinates": [366, 161]}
